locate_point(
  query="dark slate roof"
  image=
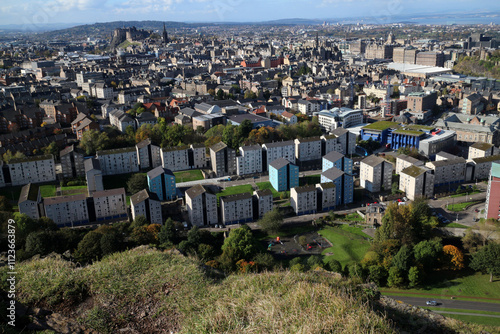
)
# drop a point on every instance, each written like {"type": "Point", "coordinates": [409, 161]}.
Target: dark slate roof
{"type": "Point", "coordinates": [143, 195]}
{"type": "Point", "coordinates": [236, 197]}
{"type": "Point", "coordinates": [264, 192]}
{"type": "Point", "coordinates": [91, 163]}
{"type": "Point", "coordinates": [67, 150]}
{"type": "Point", "coordinates": [217, 147]}
{"type": "Point", "coordinates": [279, 163]}
{"type": "Point", "coordinates": [196, 191]}
{"type": "Point", "coordinates": [251, 147]}
{"type": "Point", "coordinates": [280, 143]}
{"type": "Point", "coordinates": [63, 199]}
{"type": "Point", "coordinates": [110, 192]}
{"type": "Point", "coordinates": [332, 173]}
{"type": "Point", "coordinates": [306, 188]}
{"type": "Point", "coordinates": [29, 193]}
{"type": "Point", "coordinates": [143, 143]}
{"type": "Point", "coordinates": [159, 171]}
{"type": "Point", "coordinates": [373, 160]}
{"type": "Point", "coordinates": [333, 156]}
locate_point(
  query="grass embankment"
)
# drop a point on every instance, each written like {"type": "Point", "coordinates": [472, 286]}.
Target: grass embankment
{"type": "Point", "coordinates": [349, 244]}
{"type": "Point", "coordinates": [268, 185]}
{"type": "Point", "coordinates": [48, 190]}
{"type": "Point", "coordinates": [446, 284]}
{"type": "Point", "coordinates": [188, 176]}
{"type": "Point", "coordinates": [465, 194]}
{"type": "Point", "coordinates": [473, 319]}
{"type": "Point", "coordinates": [150, 291]}
{"type": "Point", "coordinates": [245, 188]}
{"type": "Point", "coordinates": [461, 206]}
{"type": "Point", "coordinates": [73, 190]}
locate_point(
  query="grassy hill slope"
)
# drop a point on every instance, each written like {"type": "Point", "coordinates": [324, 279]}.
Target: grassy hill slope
{"type": "Point", "coordinates": [152, 291]}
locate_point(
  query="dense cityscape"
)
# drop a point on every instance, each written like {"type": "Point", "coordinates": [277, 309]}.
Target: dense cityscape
{"type": "Point", "coordinates": [196, 158]}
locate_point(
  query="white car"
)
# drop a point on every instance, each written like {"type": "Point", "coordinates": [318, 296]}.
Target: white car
{"type": "Point", "coordinates": [431, 303]}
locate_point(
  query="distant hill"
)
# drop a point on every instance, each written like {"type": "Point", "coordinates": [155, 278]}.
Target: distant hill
{"type": "Point", "coordinates": [145, 290]}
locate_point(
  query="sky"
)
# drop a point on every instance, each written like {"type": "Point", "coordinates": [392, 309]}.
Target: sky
{"type": "Point", "coordinates": [40, 12]}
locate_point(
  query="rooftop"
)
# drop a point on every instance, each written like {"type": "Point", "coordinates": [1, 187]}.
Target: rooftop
{"type": "Point", "coordinates": [413, 171]}
{"type": "Point", "coordinates": [235, 197]}
{"type": "Point", "coordinates": [218, 147]}
{"type": "Point", "coordinates": [372, 160]}
{"type": "Point", "coordinates": [381, 126]}
{"type": "Point", "coordinates": [109, 192]}
{"type": "Point", "coordinates": [305, 189]}
{"type": "Point", "coordinates": [409, 132]}
{"type": "Point", "coordinates": [196, 190]}
{"type": "Point", "coordinates": [32, 158]}
{"type": "Point", "coordinates": [486, 159]}
{"type": "Point", "coordinates": [264, 192]}
{"type": "Point", "coordinates": [495, 169]}
{"type": "Point", "coordinates": [141, 196]}
{"type": "Point", "coordinates": [279, 163]}
{"type": "Point", "coordinates": [64, 199]}
{"type": "Point", "coordinates": [326, 185]}
{"type": "Point", "coordinates": [481, 146]}
{"type": "Point", "coordinates": [116, 151]}
{"type": "Point", "coordinates": [29, 193]}
{"type": "Point", "coordinates": [333, 156]}
{"type": "Point", "coordinates": [332, 173]}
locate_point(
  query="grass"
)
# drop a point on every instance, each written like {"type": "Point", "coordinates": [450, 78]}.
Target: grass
{"type": "Point", "coordinates": [444, 309]}
{"type": "Point", "coordinates": [268, 185]}
{"type": "Point", "coordinates": [73, 190]}
{"type": "Point", "coordinates": [245, 188]}
{"type": "Point", "coordinates": [48, 190]}
{"type": "Point", "coordinates": [475, 319]}
{"type": "Point", "coordinates": [382, 125]}
{"type": "Point", "coordinates": [461, 206]}
{"type": "Point", "coordinates": [310, 179]}
{"type": "Point", "coordinates": [355, 217]}
{"type": "Point", "coordinates": [464, 286]}
{"type": "Point", "coordinates": [463, 194]}
{"type": "Point", "coordinates": [188, 176]}
{"type": "Point", "coordinates": [348, 244]}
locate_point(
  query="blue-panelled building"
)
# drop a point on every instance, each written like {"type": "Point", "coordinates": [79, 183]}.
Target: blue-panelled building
{"type": "Point", "coordinates": [344, 185]}
{"type": "Point", "coordinates": [379, 131]}
{"type": "Point", "coordinates": [406, 138]}
{"type": "Point", "coordinates": [337, 160]}
{"type": "Point", "coordinates": [161, 181]}
{"type": "Point", "coordinates": [283, 175]}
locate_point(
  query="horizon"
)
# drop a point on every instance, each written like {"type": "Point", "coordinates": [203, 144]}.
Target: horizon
{"type": "Point", "coordinates": [38, 14]}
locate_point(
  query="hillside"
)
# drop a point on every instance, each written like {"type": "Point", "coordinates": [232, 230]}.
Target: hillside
{"type": "Point", "coordinates": [489, 68]}
{"type": "Point", "coordinates": [148, 291]}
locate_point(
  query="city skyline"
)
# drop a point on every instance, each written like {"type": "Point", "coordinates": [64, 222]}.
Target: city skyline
{"type": "Point", "coordinates": [37, 12]}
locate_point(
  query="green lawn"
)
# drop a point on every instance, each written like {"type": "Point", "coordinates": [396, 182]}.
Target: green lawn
{"type": "Point", "coordinates": [354, 217]}
{"type": "Point", "coordinates": [310, 179]}
{"type": "Point", "coordinates": [348, 244]}
{"type": "Point", "coordinates": [476, 319]}
{"type": "Point", "coordinates": [463, 194]}
{"type": "Point", "coordinates": [443, 309]}
{"type": "Point", "coordinates": [73, 190]}
{"type": "Point", "coordinates": [267, 185]}
{"type": "Point", "coordinates": [245, 188]}
{"type": "Point", "coordinates": [443, 284]}
{"type": "Point", "coordinates": [48, 190]}
{"type": "Point", "coordinates": [461, 206]}
{"type": "Point", "coordinates": [188, 175]}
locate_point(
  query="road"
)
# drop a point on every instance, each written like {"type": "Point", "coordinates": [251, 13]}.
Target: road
{"type": "Point", "coordinates": [449, 303]}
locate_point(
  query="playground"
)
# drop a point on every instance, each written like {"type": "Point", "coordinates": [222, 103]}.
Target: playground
{"type": "Point", "coordinates": [304, 244]}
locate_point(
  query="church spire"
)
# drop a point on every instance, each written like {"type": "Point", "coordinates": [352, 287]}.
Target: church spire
{"type": "Point", "coordinates": [165, 34]}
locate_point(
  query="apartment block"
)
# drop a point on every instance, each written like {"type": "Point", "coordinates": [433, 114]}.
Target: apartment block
{"type": "Point", "coordinates": [118, 161]}
{"type": "Point", "coordinates": [304, 200]}
{"type": "Point", "coordinates": [263, 203]}
{"type": "Point", "coordinates": [148, 155]}
{"type": "Point", "coordinates": [197, 156]}
{"type": "Point", "coordinates": [337, 160]}
{"type": "Point", "coordinates": [236, 209]}
{"type": "Point", "coordinates": [404, 161]}
{"type": "Point", "coordinates": [446, 172]}
{"type": "Point", "coordinates": [93, 175]}
{"type": "Point", "coordinates": [326, 196]}
{"type": "Point", "coordinates": [250, 160]}
{"type": "Point", "coordinates": [35, 169]}
{"type": "Point", "coordinates": [472, 104]}
{"type": "Point", "coordinates": [421, 101]}
{"type": "Point", "coordinates": [329, 143]}
{"type": "Point", "coordinates": [29, 201]}
{"type": "Point", "coordinates": [417, 181]}
{"type": "Point", "coordinates": [72, 162]}
{"type": "Point", "coordinates": [375, 174]}
{"type": "Point", "coordinates": [283, 175]}
{"type": "Point", "coordinates": [344, 184]}
{"type": "Point", "coordinates": [307, 149]}
{"type": "Point", "coordinates": [279, 149]}
{"type": "Point", "coordinates": [479, 168]}
{"type": "Point", "coordinates": [146, 204]}
{"type": "Point", "coordinates": [223, 160]}
{"type": "Point", "coordinates": [346, 139]}
{"type": "Point", "coordinates": [110, 204]}
{"type": "Point", "coordinates": [201, 205]}
{"type": "Point", "coordinates": [493, 193]}
{"type": "Point", "coordinates": [481, 150]}
{"type": "Point", "coordinates": [161, 182]}
{"type": "Point", "coordinates": [175, 158]}
{"type": "Point", "coordinates": [67, 210]}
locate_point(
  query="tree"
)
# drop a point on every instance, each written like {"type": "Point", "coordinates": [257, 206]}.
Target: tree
{"type": "Point", "coordinates": [453, 258]}
{"type": "Point", "coordinates": [41, 242]}
{"type": "Point", "coordinates": [5, 204]}
{"type": "Point", "coordinates": [111, 243]}
{"type": "Point", "coordinates": [211, 91]}
{"type": "Point", "coordinates": [220, 94]}
{"type": "Point", "coordinates": [488, 227]}
{"type": "Point", "coordinates": [394, 188]}
{"type": "Point", "coordinates": [194, 236]}
{"type": "Point", "coordinates": [136, 183]}
{"type": "Point", "coordinates": [377, 274]}
{"type": "Point", "coordinates": [8, 156]}
{"type": "Point", "coordinates": [402, 260]}
{"type": "Point", "coordinates": [250, 95]}
{"type": "Point", "coordinates": [334, 265]}
{"type": "Point", "coordinates": [264, 261]}
{"type": "Point", "coordinates": [52, 148]}
{"type": "Point", "coordinates": [315, 261]}
{"type": "Point", "coordinates": [139, 221]}
{"type": "Point", "coordinates": [145, 235]}
{"type": "Point", "coordinates": [89, 248]}
{"type": "Point", "coordinates": [487, 260]}
{"type": "Point", "coordinates": [93, 141]}
{"type": "Point", "coordinates": [471, 241]}
{"type": "Point", "coordinates": [371, 258]}
{"type": "Point", "coordinates": [395, 278]}
{"type": "Point", "coordinates": [427, 252]}
{"type": "Point", "coordinates": [272, 221]}
{"type": "Point", "coordinates": [240, 244]}
{"type": "Point", "coordinates": [414, 276]}
{"type": "Point", "coordinates": [168, 234]}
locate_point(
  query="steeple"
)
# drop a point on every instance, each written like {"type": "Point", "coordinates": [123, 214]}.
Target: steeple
{"type": "Point", "coordinates": [317, 39]}
{"type": "Point", "coordinates": [165, 34]}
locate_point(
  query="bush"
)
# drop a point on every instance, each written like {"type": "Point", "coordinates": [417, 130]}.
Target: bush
{"type": "Point", "coordinates": [334, 265]}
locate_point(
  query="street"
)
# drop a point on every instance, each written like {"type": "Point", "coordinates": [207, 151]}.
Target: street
{"type": "Point", "coordinates": [446, 302]}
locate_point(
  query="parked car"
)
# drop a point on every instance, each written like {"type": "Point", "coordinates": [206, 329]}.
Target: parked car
{"type": "Point", "coordinates": [431, 303]}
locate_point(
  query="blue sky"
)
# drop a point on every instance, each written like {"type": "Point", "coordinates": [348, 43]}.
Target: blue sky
{"type": "Point", "coordinates": [89, 11]}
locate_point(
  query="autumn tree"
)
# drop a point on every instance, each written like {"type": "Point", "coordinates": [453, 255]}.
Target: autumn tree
{"type": "Point", "coordinates": [453, 258]}
{"type": "Point", "coordinates": [271, 222]}
{"type": "Point", "coordinates": [489, 228]}
{"type": "Point", "coordinates": [93, 141]}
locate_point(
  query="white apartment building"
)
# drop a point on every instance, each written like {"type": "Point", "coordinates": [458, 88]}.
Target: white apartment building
{"type": "Point", "coordinates": [175, 158]}
{"type": "Point", "coordinates": [417, 181]}
{"type": "Point", "coordinates": [148, 155]}
{"type": "Point", "coordinates": [118, 161]}
{"type": "Point", "coordinates": [304, 199]}
{"type": "Point", "coordinates": [448, 171]}
{"type": "Point", "coordinates": [375, 174]}
{"type": "Point", "coordinates": [29, 200]}
{"type": "Point", "coordinates": [346, 139]}
{"type": "Point", "coordinates": [110, 204]}
{"type": "Point", "coordinates": [199, 156]}
{"type": "Point", "coordinates": [201, 205]}
{"type": "Point", "coordinates": [250, 160]}
{"type": "Point", "coordinates": [330, 144]}
{"type": "Point", "coordinates": [404, 161]}
{"type": "Point", "coordinates": [93, 175]}
{"type": "Point", "coordinates": [307, 149]}
{"type": "Point", "coordinates": [481, 167]}
{"type": "Point", "coordinates": [121, 120]}
{"type": "Point", "coordinates": [264, 202]}
{"type": "Point", "coordinates": [148, 205]}
{"type": "Point", "coordinates": [279, 149]}
{"type": "Point", "coordinates": [326, 196]}
{"type": "Point", "coordinates": [103, 92]}
{"type": "Point", "coordinates": [35, 169]}
{"type": "Point", "coordinates": [481, 150]}
{"type": "Point", "coordinates": [67, 210]}
{"type": "Point", "coordinates": [236, 209]}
